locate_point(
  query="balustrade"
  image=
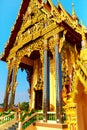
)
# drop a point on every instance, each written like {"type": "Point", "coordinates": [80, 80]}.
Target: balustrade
{"type": "Point", "coordinates": [29, 121]}
{"type": "Point", "coordinates": [7, 118]}
{"type": "Point", "coordinates": [38, 116]}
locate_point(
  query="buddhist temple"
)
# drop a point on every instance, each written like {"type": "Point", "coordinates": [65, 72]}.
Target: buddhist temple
{"type": "Point", "coordinates": [51, 46]}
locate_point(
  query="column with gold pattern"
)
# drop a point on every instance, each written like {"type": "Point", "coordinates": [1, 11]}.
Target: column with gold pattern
{"type": "Point", "coordinates": [45, 83]}
{"type": "Point", "coordinates": [13, 83]}
{"type": "Point", "coordinates": [8, 86]}
{"type": "Point", "coordinates": [57, 70]}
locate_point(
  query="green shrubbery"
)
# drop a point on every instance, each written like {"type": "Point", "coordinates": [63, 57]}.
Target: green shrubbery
{"type": "Point", "coordinates": [1, 113]}
{"type": "Point", "coordinates": [24, 106]}
{"type": "Point", "coordinates": [5, 113]}
{"type": "Point", "coordinates": [27, 114]}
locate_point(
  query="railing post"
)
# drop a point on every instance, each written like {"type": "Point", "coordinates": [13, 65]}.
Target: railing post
{"type": "Point", "coordinates": [20, 125]}
{"type": "Point", "coordinates": [16, 115]}
{"type": "Point", "coordinates": [19, 120]}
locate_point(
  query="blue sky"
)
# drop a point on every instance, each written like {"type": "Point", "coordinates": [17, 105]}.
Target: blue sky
{"type": "Point", "coordinates": [8, 13]}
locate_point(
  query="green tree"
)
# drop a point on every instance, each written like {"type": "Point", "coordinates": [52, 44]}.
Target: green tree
{"type": "Point", "coordinates": [24, 106]}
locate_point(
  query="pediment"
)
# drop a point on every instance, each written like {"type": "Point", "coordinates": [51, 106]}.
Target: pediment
{"type": "Point", "coordinates": [36, 23]}
{"type": "Point", "coordinates": [40, 19]}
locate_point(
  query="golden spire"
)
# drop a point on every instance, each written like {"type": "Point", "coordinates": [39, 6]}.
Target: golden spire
{"type": "Point", "coordinates": [58, 1]}
{"type": "Point", "coordinates": [73, 13]}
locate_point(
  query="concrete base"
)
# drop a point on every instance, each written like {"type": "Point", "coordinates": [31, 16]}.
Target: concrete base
{"type": "Point", "coordinates": [47, 126]}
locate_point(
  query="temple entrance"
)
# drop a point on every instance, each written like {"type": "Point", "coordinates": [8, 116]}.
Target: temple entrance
{"type": "Point", "coordinates": [38, 99]}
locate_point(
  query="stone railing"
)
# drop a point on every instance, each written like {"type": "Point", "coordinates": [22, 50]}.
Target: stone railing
{"type": "Point", "coordinates": [50, 116]}
{"type": "Point", "coordinates": [38, 116]}
{"type": "Point", "coordinates": [7, 118]}
{"type": "Point", "coordinates": [28, 121]}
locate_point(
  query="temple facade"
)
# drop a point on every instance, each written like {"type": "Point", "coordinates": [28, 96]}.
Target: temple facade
{"type": "Point", "coordinates": [46, 42]}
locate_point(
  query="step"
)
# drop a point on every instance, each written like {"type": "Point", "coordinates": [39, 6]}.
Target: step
{"type": "Point", "coordinates": [47, 126]}
{"type": "Point", "coordinates": [8, 125]}
{"type": "Point", "coordinates": [51, 125]}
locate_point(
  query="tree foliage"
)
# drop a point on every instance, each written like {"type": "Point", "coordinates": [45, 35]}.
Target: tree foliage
{"type": "Point", "coordinates": [24, 106]}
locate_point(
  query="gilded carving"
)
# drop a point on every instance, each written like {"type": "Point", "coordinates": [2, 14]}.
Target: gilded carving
{"type": "Point", "coordinates": [62, 40]}
{"type": "Point", "coordinates": [38, 45]}
{"type": "Point", "coordinates": [51, 43]}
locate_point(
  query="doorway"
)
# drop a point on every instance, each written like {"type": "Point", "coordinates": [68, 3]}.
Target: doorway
{"type": "Point", "coordinates": [38, 99]}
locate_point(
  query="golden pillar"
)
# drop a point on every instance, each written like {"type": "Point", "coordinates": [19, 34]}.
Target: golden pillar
{"type": "Point", "coordinates": [8, 86]}
{"type": "Point", "coordinates": [45, 104]}
{"type": "Point", "coordinates": [58, 79]}
{"type": "Point", "coordinates": [13, 83]}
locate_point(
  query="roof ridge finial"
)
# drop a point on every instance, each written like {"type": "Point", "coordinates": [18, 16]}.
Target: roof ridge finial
{"type": "Point", "coordinates": [58, 1]}
{"type": "Point", "coordinates": [73, 11]}
{"type": "Point", "coordinates": [74, 16]}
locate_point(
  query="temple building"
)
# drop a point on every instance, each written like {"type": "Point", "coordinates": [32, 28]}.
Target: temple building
{"type": "Point", "coordinates": [50, 45]}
